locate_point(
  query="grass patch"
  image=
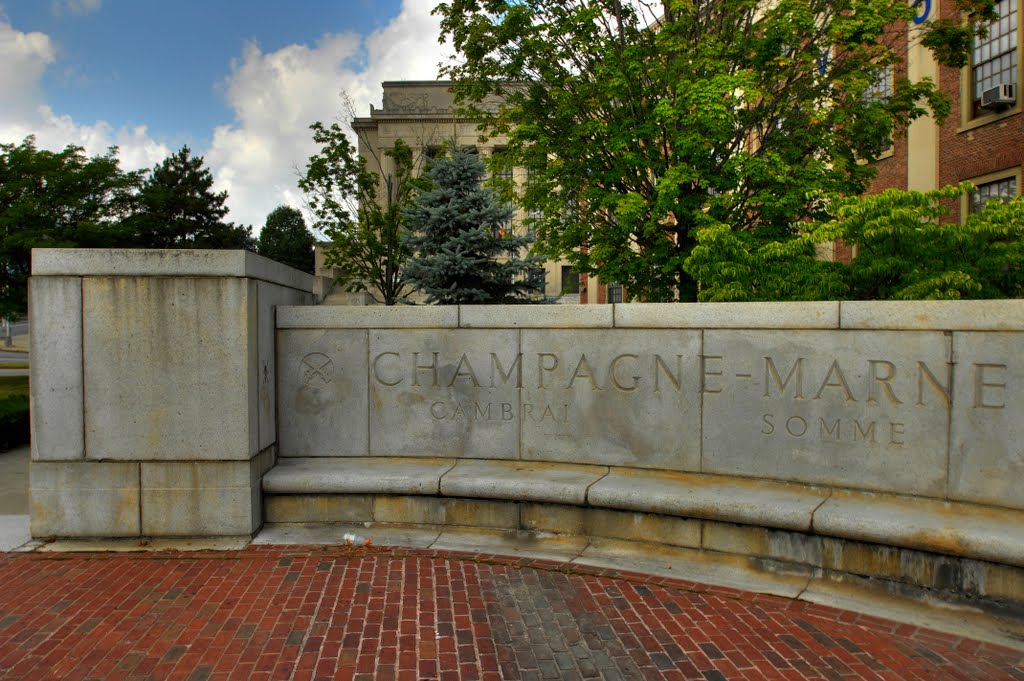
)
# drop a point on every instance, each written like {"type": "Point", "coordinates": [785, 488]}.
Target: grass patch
{"type": "Point", "coordinates": [13, 385]}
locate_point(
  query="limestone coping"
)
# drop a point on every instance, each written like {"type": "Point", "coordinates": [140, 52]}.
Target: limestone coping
{"type": "Point", "coordinates": [367, 317]}
{"type": "Point", "coordinates": [521, 480]}
{"type": "Point", "coordinates": [983, 532]}
{"type": "Point", "coordinates": [788, 315]}
{"type": "Point", "coordinates": [165, 262]}
{"type": "Point", "coordinates": [735, 500]}
{"type": "Point", "coordinates": [967, 530]}
{"type": "Point", "coordinates": [940, 315]}
{"type": "Point", "coordinates": [339, 475]}
{"type": "Point", "coordinates": [927, 315]}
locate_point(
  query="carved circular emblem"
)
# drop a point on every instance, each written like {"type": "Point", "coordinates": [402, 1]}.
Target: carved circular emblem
{"type": "Point", "coordinates": [317, 369]}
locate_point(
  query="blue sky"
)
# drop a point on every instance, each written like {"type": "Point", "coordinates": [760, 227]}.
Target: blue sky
{"type": "Point", "coordinates": [238, 81]}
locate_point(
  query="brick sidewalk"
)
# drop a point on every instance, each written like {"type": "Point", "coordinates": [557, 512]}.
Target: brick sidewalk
{"type": "Point", "coordinates": [315, 612]}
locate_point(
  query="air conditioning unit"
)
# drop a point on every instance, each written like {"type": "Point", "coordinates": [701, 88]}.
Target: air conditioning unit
{"type": "Point", "coordinates": [998, 97]}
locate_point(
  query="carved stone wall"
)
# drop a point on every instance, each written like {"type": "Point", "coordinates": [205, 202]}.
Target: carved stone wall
{"type": "Point", "coordinates": [920, 399]}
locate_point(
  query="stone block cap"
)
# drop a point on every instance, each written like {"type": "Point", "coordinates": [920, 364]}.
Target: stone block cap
{"type": "Point", "coordinates": [164, 262]}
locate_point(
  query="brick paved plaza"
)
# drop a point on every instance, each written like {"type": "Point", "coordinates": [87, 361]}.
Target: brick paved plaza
{"type": "Point", "coordinates": [334, 612]}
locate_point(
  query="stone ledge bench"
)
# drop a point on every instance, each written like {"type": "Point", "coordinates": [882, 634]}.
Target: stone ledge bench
{"type": "Point", "coordinates": [965, 550]}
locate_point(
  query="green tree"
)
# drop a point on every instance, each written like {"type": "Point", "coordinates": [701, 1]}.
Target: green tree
{"type": "Point", "coordinates": [286, 239]}
{"type": "Point", "coordinates": [179, 209]}
{"type": "Point", "coordinates": [904, 251]}
{"type": "Point", "coordinates": [462, 253]}
{"type": "Point", "coordinates": [641, 123]}
{"type": "Point", "coordinates": [361, 212]}
{"type": "Point", "coordinates": [55, 200]}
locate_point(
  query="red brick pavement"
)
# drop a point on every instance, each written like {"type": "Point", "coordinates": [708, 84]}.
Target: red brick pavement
{"type": "Point", "coordinates": [313, 612]}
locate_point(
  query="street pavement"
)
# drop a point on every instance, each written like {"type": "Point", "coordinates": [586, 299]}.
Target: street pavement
{"type": "Point", "coordinates": [362, 613]}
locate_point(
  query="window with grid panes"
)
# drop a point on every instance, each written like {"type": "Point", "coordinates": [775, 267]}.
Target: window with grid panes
{"type": "Point", "coordinates": [1003, 190]}
{"type": "Point", "coordinates": [532, 215]}
{"type": "Point", "coordinates": [570, 280]}
{"type": "Point", "coordinates": [881, 91]}
{"type": "Point", "coordinates": [614, 292]}
{"type": "Point", "coordinates": [994, 60]}
{"type": "Point", "coordinates": [501, 171]}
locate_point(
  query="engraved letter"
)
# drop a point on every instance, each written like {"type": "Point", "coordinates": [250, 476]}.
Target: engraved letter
{"type": "Point", "coordinates": [923, 372]}
{"type": "Point", "coordinates": [517, 366]}
{"type": "Point", "coordinates": [376, 369]}
{"type": "Point", "coordinates": [896, 432]}
{"type": "Point", "coordinates": [868, 434]}
{"type": "Point", "coordinates": [769, 424]}
{"type": "Point", "coordinates": [676, 379]}
{"type": "Point", "coordinates": [482, 413]}
{"type": "Point", "coordinates": [704, 359]}
{"type": "Point", "coordinates": [416, 368]}
{"type": "Point", "coordinates": [980, 384]}
{"type": "Point", "coordinates": [839, 382]}
{"type": "Point", "coordinates": [796, 374]}
{"type": "Point", "coordinates": [541, 368]}
{"type": "Point", "coordinates": [506, 411]}
{"type": "Point", "coordinates": [615, 379]}
{"type": "Point", "coordinates": [827, 433]}
{"type": "Point", "coordinates": [437, 410]}
{"type": "Point", "coordinates": [890, 373]}
{"type": "Point", "coordinates": [470, 374]}
{"type": "Point", "coordinates": [588, 373]}
{"type": "Point", "coordinates": [801, 426]}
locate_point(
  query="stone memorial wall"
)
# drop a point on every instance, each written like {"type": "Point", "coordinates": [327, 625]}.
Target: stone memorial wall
{"type": "Point", "coordinates": [919, 399]}
{"type": "Point", "coordinates": [198, 393]}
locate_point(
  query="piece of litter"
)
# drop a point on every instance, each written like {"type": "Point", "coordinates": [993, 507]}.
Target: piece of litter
{"type": "Point", "coordinates": [355, 540]}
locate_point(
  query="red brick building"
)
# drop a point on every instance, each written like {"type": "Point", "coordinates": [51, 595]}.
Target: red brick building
{"type": "Point", "coordinates": [982, 140]}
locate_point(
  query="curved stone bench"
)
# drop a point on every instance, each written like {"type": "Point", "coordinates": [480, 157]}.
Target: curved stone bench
{"type": "Point", "coordinates": [963, 549]}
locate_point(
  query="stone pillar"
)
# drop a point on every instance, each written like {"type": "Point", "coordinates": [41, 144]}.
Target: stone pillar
{"type": "Point", "coordinates": [153, 400]}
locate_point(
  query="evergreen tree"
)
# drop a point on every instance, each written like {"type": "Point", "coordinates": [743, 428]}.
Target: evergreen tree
{"type": "Point", "coordinates": [460, 240]}
{"type": "Point", "coordinates": [179, 209]}
{"type": "Point", "coordinates": [286, 239]}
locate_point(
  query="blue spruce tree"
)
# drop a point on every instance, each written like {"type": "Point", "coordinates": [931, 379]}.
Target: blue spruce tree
{"type": "Point", "coordinates": [464, 251]}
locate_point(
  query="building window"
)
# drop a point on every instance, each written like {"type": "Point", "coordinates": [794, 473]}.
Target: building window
{"type": "Point", "coordinates": [1003, 189]}
{"type": "Point", "coordinates": [880, 92]}
{"type": "Point", "coordinates": [614, 292]}
{"type": "Point", "coordinates": [570, 280]}
{"type": "Point", "coordinates": [994, 61]}
{"type": "Point", "coordinates": [501, 172]}
{"type": "Point", "coordinates": [533, 216]}
{"type": "Point", "coordinates": [881, 89]}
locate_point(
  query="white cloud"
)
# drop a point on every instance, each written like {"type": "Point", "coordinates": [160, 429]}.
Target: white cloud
{"type": "Point", "coordinates": [277, 95]}
{"type": "Point", "coordinates": [79, 7]}
{"type": "Point", "coordinates": [24, 57]}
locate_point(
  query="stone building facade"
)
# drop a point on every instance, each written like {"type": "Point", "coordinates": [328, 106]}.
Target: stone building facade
{"type": "Point", "coordinates": [421, 113]}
